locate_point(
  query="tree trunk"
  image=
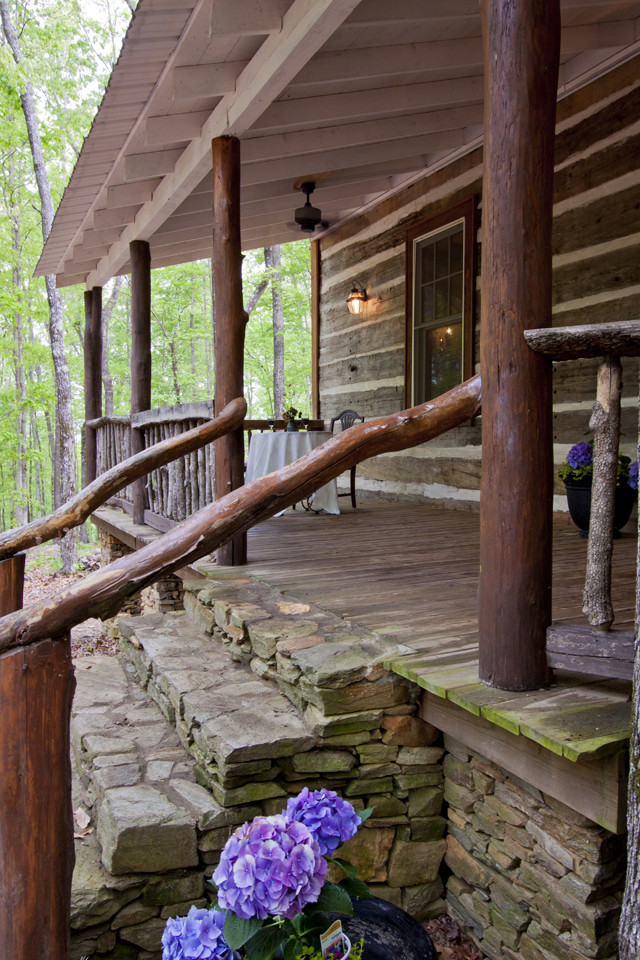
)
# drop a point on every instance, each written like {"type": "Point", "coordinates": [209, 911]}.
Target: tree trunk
{"type": "Point", "coordinates": [67, 477]}
{"type": "Point", "coordinates": [107, 380]}
{"type": "Point", "coordinates": [273, 263]}
{"type": "Point", "coordinates": [21, 499]}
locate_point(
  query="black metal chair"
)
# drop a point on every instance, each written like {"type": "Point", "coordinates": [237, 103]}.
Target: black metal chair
{"type": "Point", "coordinates": [347, 419]}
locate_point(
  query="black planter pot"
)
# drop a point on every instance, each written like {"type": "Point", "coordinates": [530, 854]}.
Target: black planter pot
{"type": "Point", "coordinates": [579, 503]}
{"type": "Point", "coordinates": [388, 932]}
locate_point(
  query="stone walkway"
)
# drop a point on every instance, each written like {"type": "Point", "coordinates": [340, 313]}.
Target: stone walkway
{"type": "Point", "coordinates": [216, 715]}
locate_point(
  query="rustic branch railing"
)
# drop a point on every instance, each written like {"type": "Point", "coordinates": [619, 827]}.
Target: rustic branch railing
{"type": "Point", "coordinates": [587, 648]}
{"type": "Point", "coordinates": [113, 445]}
{"type": "Point", "coordinates": [103, 593]}
{"type": "Point", "coordinates": [76, 510]}
{"type": "Point", "coordinates": [177, 489]}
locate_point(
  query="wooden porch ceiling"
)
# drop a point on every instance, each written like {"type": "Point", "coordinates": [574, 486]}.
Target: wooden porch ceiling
{"type": "Point", "coordinates": [359, 95]}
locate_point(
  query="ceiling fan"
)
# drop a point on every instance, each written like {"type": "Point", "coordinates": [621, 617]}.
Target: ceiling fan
{"type": "Point", "coordinates": [308, 217]}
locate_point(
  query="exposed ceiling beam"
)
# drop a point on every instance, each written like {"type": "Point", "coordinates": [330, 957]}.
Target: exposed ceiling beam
{"type": "Point", "coordinates": [307, 25]}
{"type": "Point", "coordinates": [247, 17]}
{"type": "Point", "coordinates": [205, 80]}
{"type": "Point", "coordinates": [124, 194]}
{"type": "Point", "coordinates": [141, 166]}
{"type": "Point", "coordinates": [174, 128]}
{"type": "Point", "coordinates": [136, 96]}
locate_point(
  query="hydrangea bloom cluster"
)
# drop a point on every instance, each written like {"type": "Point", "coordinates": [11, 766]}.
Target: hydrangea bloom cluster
{"type": "Point", "coordinates": [330, 819]}
{"type": "Point", "coordinates": [198, 936]}
{"type": "Point", "coordinates": [633, 475]}
{"type": "Point", "coordinates": [580, 455]}
{"type": "Point", "coordinates": [270, 867]}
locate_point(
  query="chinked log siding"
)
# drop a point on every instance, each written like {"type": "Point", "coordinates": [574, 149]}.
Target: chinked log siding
{"type": "Point", "coordinates": [596, 279]}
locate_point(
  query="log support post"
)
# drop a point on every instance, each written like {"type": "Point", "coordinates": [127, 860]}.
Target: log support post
{"type": "Point", "coordinates": [92, 377]}
{"type": "Point", "coordinates": [230, 323]}
{"type": "Point", "coordinates": [521, 45]}
{"type": "Point", "coordinates": [605, 423]}
{"type": "Point", "coordinates": [140, 356]}
{"type": "Point", "coordinates": [36, 825]}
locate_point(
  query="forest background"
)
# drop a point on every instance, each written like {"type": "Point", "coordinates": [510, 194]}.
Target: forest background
{"type": "Point", "coordinates": [57, 55]}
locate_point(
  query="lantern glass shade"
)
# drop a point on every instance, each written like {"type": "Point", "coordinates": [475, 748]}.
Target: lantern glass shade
{"type": "Point", "coordinates": [356, 299]}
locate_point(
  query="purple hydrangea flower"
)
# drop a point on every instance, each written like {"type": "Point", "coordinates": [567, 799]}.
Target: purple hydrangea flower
{"type": "Point", "coordinates": [330, 819]}
{"type": "Point", "coordinates": [580, 455]}
{"type": "Point", "coordinates": [270, 867]}
{"type": "Point", "coordinates": [633, 475]}
{"type": "Point", "coordinates": [198, 936]}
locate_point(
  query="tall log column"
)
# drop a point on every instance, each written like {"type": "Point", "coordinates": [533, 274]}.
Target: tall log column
{"type": "Point", "coordinates": [92, 376]}
{"type": "Point", "coordinates": [521, 44]}
{"type": "Point", "coordinates": [36, 824]}
{"type": "Point", "coordinates": [230, 323]}
{"type": "Point", "coordinates": [140, 356]}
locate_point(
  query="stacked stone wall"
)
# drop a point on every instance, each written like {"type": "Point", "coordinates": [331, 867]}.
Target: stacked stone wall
{"type": "Point", "coordinates": [533, 879]}
{"type": "Point", "coordinates": [112, 549]}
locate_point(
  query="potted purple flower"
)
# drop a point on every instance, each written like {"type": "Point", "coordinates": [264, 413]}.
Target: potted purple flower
{"type": "Point", "coordinates": [272, 893]}
{"type": "Point", "coordinates": [577, 474]}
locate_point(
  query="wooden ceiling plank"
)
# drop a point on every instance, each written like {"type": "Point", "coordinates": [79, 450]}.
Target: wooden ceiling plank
{"type": "Point", "coordinates": [595, 36]}
{"type": "Point", "coordinates": [395, 59]}
{"type": "Point", "coordinates": [348, 157]}
{"type": "Point", "coordinates": [169, 61]}
{"type": "Point", "coordinates": [275, 146]}
{"type": "Point", "coordinates": [306, 26]}
{"type": "Point", "coordinates": [356, 106]}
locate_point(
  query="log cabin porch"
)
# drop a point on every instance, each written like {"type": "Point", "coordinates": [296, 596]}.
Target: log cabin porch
{"type": "Point", "coordinates": [409, 573]}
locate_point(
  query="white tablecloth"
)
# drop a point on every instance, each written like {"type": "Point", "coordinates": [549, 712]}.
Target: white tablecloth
{"type": "Point", "coordinates": [272, 451]}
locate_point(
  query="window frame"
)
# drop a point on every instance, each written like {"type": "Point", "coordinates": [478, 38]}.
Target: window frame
{"type": "Point", "coordinates": [465, 212]}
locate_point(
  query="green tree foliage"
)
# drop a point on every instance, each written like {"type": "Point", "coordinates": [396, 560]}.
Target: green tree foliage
{"type": "Point", "coordinates": [68, 49]}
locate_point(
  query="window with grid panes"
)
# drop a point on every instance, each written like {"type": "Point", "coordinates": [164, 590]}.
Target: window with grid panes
{"type": "Point", "coordinates": [439, 334]}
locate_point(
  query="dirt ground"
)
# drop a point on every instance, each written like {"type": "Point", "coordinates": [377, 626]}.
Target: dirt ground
{"type": "Point", "coordinates": [43, 579]}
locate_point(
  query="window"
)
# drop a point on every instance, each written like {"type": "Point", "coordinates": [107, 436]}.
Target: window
{"type": "Point", "coordinates": [439, 343]}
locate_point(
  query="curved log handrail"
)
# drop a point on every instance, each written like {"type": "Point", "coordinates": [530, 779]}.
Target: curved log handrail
{"type": "Point", "coordinates": [103, 593]}
{"type": "Point", "coordinates": [76, 510]}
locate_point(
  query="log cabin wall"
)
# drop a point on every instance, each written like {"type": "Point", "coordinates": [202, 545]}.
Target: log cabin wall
{"type": "Point", "coordinates": [596, 279]}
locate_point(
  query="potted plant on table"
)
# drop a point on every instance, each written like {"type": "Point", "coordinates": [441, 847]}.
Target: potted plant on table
{"type": "Point", "coordinates": [289, 417]}
{"type": "Point", "coordinates": [577, 475]}
{"type": "Point", "coordinates": [272, 892]}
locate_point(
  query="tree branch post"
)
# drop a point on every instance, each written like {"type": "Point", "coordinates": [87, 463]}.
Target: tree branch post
{"type": "Point", "coordinates": [92, 376]}
{"type": "Point", "coordinates": [140, 356]}
{"type": "Point", "coordinates": [36, 827]}
{"type": "Point", "coordinates": [230, 324]}
{"type": "Point", "coordinates": [521, 57]}
{"type": "Point", "coordinates": [605, 423]}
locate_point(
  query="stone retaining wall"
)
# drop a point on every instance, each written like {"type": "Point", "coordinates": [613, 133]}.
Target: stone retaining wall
{"type": "Point", "coordinates": [262, 695]}
{"type": "Point", "coordinates": [533, 879]}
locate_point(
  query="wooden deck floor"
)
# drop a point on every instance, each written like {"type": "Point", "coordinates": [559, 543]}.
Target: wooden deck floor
{"type": "Point", "coordinates": [412, 571]}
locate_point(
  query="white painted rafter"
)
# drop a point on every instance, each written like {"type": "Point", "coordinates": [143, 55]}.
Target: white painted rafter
{"type": "Point", "coordinates": [305, 28]}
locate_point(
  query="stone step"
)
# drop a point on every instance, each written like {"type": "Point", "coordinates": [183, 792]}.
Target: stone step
{"type": "Point", "coordinates": [235, 725]}
{"type": "Point", "coordinates": [217, 714]}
